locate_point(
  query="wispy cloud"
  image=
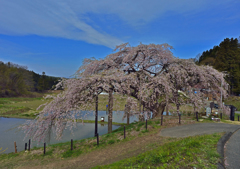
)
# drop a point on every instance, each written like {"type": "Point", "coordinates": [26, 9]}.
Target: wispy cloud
{"type": "Point", "coordinates": [46, 18]}
{"type": "Point", "coordinates": [68, 19]}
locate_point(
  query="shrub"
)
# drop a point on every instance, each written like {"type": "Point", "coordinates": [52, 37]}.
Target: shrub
{"type": "Point", "coordinates": [111, 141]}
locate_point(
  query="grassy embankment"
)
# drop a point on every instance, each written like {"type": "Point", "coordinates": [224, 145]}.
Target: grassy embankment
{"type": "Point", "coordinates": [198, 152]}
{"type": "Point", "coordinates": [141, 148]}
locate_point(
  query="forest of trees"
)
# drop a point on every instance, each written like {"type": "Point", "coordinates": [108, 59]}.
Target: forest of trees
{"type": "Point", "coordinates": [225, 58]}
{"type": "Point", "coordinates": [16, 80]}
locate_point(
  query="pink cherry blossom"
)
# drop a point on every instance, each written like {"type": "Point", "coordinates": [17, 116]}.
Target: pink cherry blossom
{"type": "Point", "coordinates": [146, 74]}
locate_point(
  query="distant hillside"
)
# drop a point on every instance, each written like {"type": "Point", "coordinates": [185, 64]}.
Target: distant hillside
{"type": "Point", "coordinates": [226, 58]}
{"type": "Point", "coordinates": [16, 80]}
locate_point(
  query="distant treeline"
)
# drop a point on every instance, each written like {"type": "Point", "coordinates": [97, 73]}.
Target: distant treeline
{"type": "Point", "coordinates": [16, 80]}
{"type": "Point", "coordinates": [226, 58]}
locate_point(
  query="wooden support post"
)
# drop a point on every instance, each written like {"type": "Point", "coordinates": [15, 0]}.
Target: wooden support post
{"type": "Point", "coordinates": [146, 124]}
{"type": "Point", "coordinates": [44, 151]}
{"type": "Point", "coordinates": [71, 144]}
{"type": "Point", "coordinates": [124, 133]}
{"type": "Point", "coordinates": [96, 115]}
{"type": "Point", "coordinates": [179, 118]}
{"type": "Point", "coordinates": [161, 120]}
{"type": "Point", "coordinates": [25, 146]}
{"type": "Point", "coordinates": [127, 110]}
{"type": "Point", "coordinates": [15, 146]}
{"type": "Point", "coordinates": [29, 144]}
{"type": "Point", "coordinates": [97, 139]}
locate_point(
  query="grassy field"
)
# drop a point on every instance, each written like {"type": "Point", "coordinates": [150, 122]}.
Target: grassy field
{"type": "Point", "coordinates": [234, 100]}
{"type": "Point", "coordinates": [140, 149]}
{"type": "Point", "coordinates": [26, 107]}
{"type": "Point", "coordinates": [22, 107]}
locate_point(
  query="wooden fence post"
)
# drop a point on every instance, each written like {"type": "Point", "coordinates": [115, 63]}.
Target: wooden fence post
{"type": "Point", "coordinates": [161, 120]}
{"type": "Point", "coordinates": [97, 139]}
{"type": "Point", "coordinates": [44, 151]}
{"type": "Point", "coordinates": [124, 133]}
{"type": "Point", "coordinates": [15, 146]}
{"type": "Point", "coordinates": [179, 118]}
{"type": "Point", "coordinates": [146, 124]}
{"type": "Point", "coordinates": [29, 145]}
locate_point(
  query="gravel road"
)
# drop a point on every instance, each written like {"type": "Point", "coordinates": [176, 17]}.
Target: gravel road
{"type": "Point", "coordinates": [198, 129]}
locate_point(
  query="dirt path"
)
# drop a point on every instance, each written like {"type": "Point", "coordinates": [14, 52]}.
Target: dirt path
{"type": "Point", "coordinates": [107, 155]}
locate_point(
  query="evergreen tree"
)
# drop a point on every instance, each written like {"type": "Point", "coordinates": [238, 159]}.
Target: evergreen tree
{"type": "Point", "coordinates": [225, 57]}
{"type": "Point", "coordinates": [16, 80]}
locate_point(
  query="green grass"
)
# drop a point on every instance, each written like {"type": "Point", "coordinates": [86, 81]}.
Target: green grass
{"type": "Point", "coordinates": [99, 122]}
{"type": "Point", "coordinates": [195, 150]}
{"type": "Point", "coordinates": [236, 116]}
{"type": "Point", "coordinates": [26, 107]}
{"type": "Point", "coordinates": [111, 141]}
{"type": "Point", "coordinates": [8, 156]}
{"type": "Point", "coordinates": [198, 151]}
{"type": "Point", "coordinates": [79, 146]}
{"type": "Point", "coordinates": [235, 101]}
{"type": "Point", "coordinates": [72, 153]}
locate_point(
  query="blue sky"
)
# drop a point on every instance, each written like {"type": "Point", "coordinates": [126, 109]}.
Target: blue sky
{"type": "Point", "coordinates": [55, 36]}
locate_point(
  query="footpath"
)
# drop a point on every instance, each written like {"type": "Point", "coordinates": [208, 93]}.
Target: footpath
{"type": "Point", "coordinates": [228, 146]}
{"type": "Point", "coordinates": [232, 151]}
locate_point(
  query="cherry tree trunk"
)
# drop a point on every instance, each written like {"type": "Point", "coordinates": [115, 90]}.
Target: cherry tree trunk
{"type": "Point", "coordinates": [127, 111]}
{"type": "Point", "coordinates": [127, 118]}
{"type": "Point", "coordinates": [140, 116]}
{"type": "Point", "coordinates": [159, 110]}
{"type": "Point", "coordinates": [178, 109]}
{"type": "Point", "coordinates": [110, 104]}
{"type": "Point", "coordinates": [167, 109]}
{"type": "Point", "coordinates": [194, 110]}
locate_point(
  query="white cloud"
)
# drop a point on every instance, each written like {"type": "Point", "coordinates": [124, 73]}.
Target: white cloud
{"type": "Point", "coordinates": [136, 11]}
{"type": "Point", "coordinates": [45, 18]}
{"type": "Point", "coordinates": [65, 19]}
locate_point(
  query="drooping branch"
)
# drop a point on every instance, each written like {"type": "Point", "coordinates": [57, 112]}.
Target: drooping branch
{"type": "Point", "coordinates": [147, 74]}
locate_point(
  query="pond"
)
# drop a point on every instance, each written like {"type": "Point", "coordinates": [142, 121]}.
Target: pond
{"type": "Point", "coordinates": [10, 133]}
